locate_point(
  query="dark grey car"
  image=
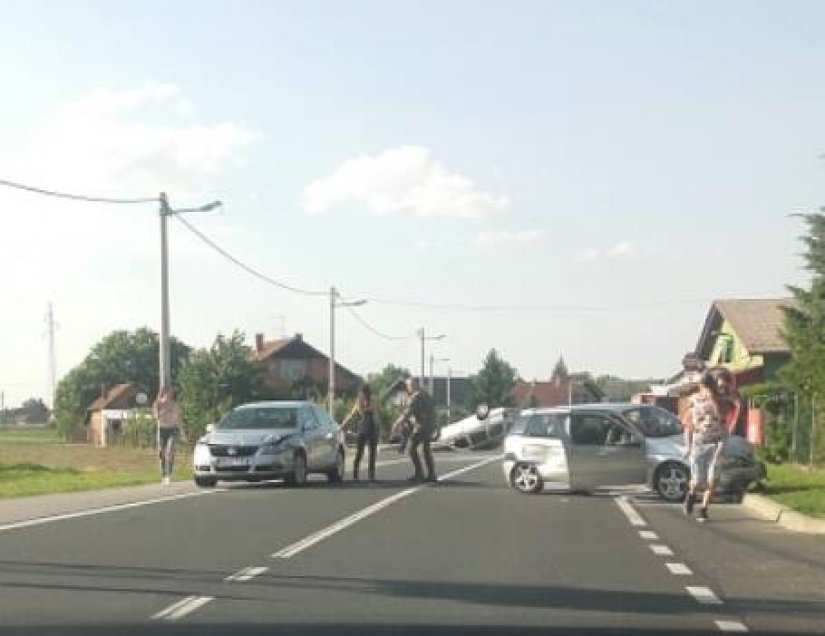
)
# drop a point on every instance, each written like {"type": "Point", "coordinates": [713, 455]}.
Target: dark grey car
{"type": "Point", "coordinates": [270, 440]}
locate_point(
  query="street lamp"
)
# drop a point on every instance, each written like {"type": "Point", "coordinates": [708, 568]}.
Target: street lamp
{"type": "Point", "coordinates": [165, 213]}
{"type": "Point", "coordinates": [424, 338]}
{"type": "Point", "coordinates": [333, 303]}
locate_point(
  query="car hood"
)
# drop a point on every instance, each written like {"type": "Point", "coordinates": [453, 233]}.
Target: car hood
{"type": "Point", "coordinates": [673, 446]}
{"type": "Point", "coordinates": [247, 438]}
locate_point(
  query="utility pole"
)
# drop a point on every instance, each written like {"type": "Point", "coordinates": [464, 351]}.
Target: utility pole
{"type": "Point", "coordinates": [165, 213]}
{"type": "Point", "coordinates": [424, 338]}
{"type": "Point", "coordinates": [52, 357]}
{"type": "Point", "coordinates": [333, 304]}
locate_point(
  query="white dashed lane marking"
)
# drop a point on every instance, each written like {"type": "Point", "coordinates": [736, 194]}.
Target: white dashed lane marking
{"type": "Point", "coordinates": [247, 574]}
{"type": "Point", "coordinates": [648, 535]}
{"type": "Point", "coordinates": [679, 569]}
{"type": "Point", "coordinates": [731, 626]}
{"type": "Point", "coordinates": [703, 595]}
{"type": "Point", "coordinates": [661, 550]}
{"type": "Point", "coordinates": [630, 512]}
{"type": "Point", "coordinates": [182, 608]}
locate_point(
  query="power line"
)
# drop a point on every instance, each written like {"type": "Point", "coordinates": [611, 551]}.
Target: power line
{"type": "Point", "coordinates": [244, 266]}
{"type": "Point", "coordinates": [74, 197]}
{"type": "Point", "coordinates": [372, 329]}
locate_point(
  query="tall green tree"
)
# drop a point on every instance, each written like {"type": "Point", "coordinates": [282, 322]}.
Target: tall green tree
{"type": "Point", "coordinates": [122, 356]}
{"type": "Point", "coordinates": [36, 410]}
{"type": "Point", "coordinates": [216, 379]}
{"type": "Point", "coordinates": [804, 328]}
{"type": "Point", "coordinates": [560, 370]}
{"type": "Point", "coordinates": [493, 384]}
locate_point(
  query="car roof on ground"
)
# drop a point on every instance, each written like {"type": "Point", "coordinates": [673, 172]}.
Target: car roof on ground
{"type": "Point", "coordinates": [274, 404]}
{"type": "Point", "coordinates": [596, 406]}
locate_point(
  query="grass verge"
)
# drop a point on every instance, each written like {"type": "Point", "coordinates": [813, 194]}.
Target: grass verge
{"type": "Point", "coordinates": [797, 487]}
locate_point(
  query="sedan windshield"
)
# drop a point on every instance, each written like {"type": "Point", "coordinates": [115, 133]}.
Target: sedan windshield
{"type": "Point", "coordinates": [653, 421]}
{"type": "Point", "coordinates": [260, 419]}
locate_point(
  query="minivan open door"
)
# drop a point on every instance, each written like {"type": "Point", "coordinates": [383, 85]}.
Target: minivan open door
{"type": "Point", "coordinates": [602, 451]}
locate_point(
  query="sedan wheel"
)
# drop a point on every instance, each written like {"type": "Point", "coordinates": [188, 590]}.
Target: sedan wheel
{"type": "Point", "coordinates": [671, 481]}
{"type": "Point", "coordinates": [526, 479]}
{"type": "Point", "coordinates": [299, 471]}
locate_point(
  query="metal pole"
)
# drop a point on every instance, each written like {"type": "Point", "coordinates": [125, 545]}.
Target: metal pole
{"type": "Point", "coordinates": [332, 293]}
{"type": "Point", "coordinates": [794, 433]}
{"type": "Point", "coordinates": [813, 431]}
{"type": "Point", "coordinates": [52, 359]}
{"type": "Point", "coordinates": [432, 379]}
{"type": "Point", "coordinates": [421, 333]}
{"type": "Point", "coordinates": [449, 377]}
{"type": "Point", "coordinates": [165, 363]}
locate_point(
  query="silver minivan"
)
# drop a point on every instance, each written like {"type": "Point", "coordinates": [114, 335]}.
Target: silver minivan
{"type": "Point", "coordinates": [591, 446]}
{"type": "Point", "coordinates": [270, 440]}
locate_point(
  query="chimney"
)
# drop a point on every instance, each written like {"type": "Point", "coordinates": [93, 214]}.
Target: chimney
{"type": "Point", "coordinates": [259, 342]}
{"type": "Point", "coordinates": [299, 337]}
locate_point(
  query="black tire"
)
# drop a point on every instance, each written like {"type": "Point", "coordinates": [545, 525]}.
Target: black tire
{"type": "Point", "coordinates": [671, 481]}
{"type": "Point", "coordinates": [205, 482]}
{"type": "Point", "coordinates": [525, 479]}
{"type": "Point", "coordinates": [299, 471]}
{"type": "Point", "coordinates": [336, 475]}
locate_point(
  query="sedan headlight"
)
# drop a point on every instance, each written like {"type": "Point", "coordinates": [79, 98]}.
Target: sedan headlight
{"type": "Point", "coordinates": [202, 454]}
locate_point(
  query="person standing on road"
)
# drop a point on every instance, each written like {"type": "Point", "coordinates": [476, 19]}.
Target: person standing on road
{"type": "Point", "coordinates": [422, 409]}
{"type": "Point", "coordinates": [705, 435]}
{"type": "Point", "coordinates": [170, 421]}
{"type": "Point", "coordinates": [367, 415]}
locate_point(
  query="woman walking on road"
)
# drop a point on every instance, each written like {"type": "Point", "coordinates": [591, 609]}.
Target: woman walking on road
{"type": "Point", "coordinates": [170, 421]}
{"type": "Point", "coordinates": [705, 435]}
{"type": "Point", "coordinates": [367, 415]}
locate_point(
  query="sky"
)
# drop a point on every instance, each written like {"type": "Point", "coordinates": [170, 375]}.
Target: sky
{"type": "Point", "coordinates": [543, 178]}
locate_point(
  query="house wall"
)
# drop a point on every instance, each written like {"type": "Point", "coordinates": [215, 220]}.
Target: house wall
{"type": "Point", "coordinates": [282, 372]}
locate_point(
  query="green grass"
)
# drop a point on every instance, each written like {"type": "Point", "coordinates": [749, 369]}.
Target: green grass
{"type": "Point", "coordinates": [797, 487]}
{"type": "Point", "coordinates": [20, 435]}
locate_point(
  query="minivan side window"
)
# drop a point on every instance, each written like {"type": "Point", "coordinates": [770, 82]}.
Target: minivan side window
{"type": "Point", "coordinates": [589, 430]}
{"type": "Point", "coordinates": [545, 425]}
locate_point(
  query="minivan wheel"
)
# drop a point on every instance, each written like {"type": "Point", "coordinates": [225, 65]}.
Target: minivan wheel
{"type": "Point", "coordinates": [205, 482]}
{"type": "Point", "coordinates": [336, 475]}
{"type": "Point", "coordinates": [671, 481]}
{"type": "Point", "coordinates": [299, 471]}
{"type": "Point", "coordinates": [526, 479]}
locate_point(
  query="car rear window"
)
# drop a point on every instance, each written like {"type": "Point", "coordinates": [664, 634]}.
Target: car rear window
{"type": "Point", "coordinates": [260, 418]}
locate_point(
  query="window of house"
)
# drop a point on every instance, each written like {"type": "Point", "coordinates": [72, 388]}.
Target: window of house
{"type": "Point", "coordinates": [293, 369]}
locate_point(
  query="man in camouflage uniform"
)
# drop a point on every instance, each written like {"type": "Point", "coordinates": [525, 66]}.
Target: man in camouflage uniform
{"type": "Point", "coordinates": [422, 409]}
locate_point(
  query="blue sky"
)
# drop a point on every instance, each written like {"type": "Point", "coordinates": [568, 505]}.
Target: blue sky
{"type": "Point", "coordinates": [555, 154]}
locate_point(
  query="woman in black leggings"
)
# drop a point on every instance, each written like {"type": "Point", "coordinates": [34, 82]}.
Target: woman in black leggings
{"type": "Point", "coordinates": [367, 415]}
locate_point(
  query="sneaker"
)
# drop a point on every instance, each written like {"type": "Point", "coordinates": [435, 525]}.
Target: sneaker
{"type": "Point", "coordinates": [416, 479]}
{"type": "Point", "coordinates": [432, 479]}
{"type": "Point", "coordinates": [690, 500]}
{"type": "Point", "coordinates": [166, 481]}
{"type": "Point", "coordinates": [703, 515]}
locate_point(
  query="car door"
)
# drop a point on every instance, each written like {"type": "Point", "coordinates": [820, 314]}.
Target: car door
{"type": "Point", "coordinates": [542, 444]}
{"type": "Point", "coordinates": [603, 451]}
{"type": "Point", "coordinates": [329, 437]}
{"type": "Point", "coordinates": [312, 435]}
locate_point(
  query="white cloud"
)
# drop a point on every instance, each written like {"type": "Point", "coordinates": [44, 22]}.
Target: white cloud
{"type": "Point", "coordinates": [622, 250]}
{"type": "Point", "coordinates": [405, 180]}
{"type": "Point", "coordinates": [506, 237]}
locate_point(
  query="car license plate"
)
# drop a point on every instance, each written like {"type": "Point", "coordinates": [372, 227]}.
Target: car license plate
{"type": "Point", "coordinates": [225, 462]}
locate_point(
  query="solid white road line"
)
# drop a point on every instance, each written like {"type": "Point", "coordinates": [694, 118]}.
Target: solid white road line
{"type": "Point", "coordinates": [182, 608]}
{"type": "Point", "coordinates": [630, 512]}
{"type": "Point", "coordinates": [247, 574]}
{"type": "Point", "coordinates": [100, 511]}
{"type": "Point", "coordinates": [679, 569]}
{"type": "Point", "coordinates": [648, 535]}
{"type": "Point", "coordinates": [704, 595]}
{"type": "Point", "coordinates": [661, 550]}
{"type": "Point", "coordinates": [309, 541]}
{"type": "Point", "coordinates": [731, 626]}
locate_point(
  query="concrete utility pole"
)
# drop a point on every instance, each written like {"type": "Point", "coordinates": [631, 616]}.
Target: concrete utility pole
{"type": "Point", "coordinates": [52, 357]}
{"type": "Point", "coordinates": [333, 304]}
{"type": "Point", "coordinates": [424, 338]}
{"type": "Point", "coordinates": [165, 213]}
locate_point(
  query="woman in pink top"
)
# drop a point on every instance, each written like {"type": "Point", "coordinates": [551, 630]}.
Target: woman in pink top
{"type": "Point", "coordinates": [170, 421]}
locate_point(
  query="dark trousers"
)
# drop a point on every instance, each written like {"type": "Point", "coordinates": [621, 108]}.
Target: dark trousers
{"type": "Point", "coordinates": [421, 437]}
{"type": "Point", "coordinates": [369, 438]}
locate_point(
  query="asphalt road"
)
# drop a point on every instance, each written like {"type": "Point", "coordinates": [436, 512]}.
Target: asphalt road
{"type": "Point", "coordinates": [465, 556]}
